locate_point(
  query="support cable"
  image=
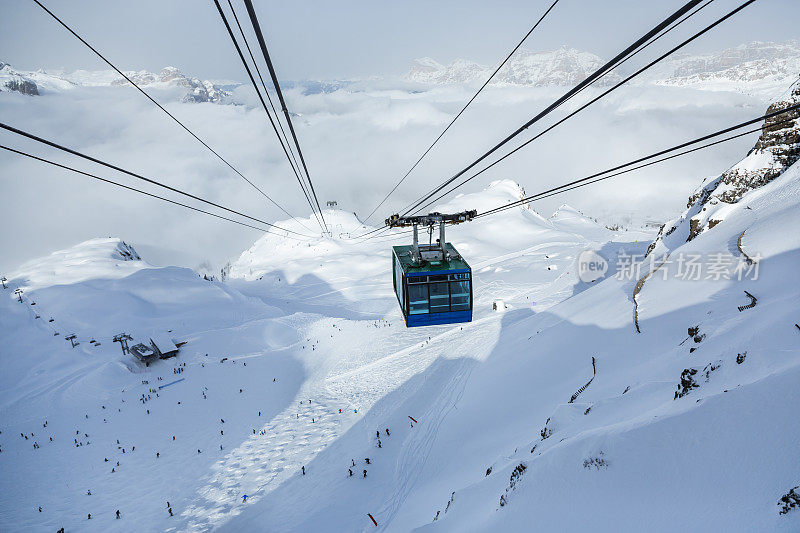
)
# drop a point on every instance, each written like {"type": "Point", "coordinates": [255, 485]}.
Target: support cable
{"type": "Point", "coordinates": [260, 37]}
{"type": "Point", "coordinates": [616, 171]}
{"type": "Point", "coordinates": [590, 102]}
{"type": "Point", "coordinates": [474, 96]}
{"type": "Point", "coordinates": [656, 38]}
{"type": "Point", "coordinates": [263, 85]}
{"type": "Point", "coordinates": [607, 66]}
{"type": "Point", "coordinates": [138, 190]}
{"type": "Point", "coordinates": [170, 115]}
{"type": "Point", "coordinates": [138, 176]}
{"type": "Point", "coordinates": [263, 104]}
{"type": "Point", "coordinates": [592, 178]}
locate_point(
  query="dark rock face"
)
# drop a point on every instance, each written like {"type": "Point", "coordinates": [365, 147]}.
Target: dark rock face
{"type": "Point", "coordinates": [780, 139]}
{"type": "Point", "coordinates": [14, 81]}
{"type": "Point", "coordinates": [23, 86]}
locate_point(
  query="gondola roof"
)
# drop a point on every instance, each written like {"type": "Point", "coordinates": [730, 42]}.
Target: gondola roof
{"type": "Point", "coordinates": [455, 264]}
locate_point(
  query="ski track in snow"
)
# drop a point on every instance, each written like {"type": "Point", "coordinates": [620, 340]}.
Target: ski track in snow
{"type": "Point", "coordinates": [263, 462]}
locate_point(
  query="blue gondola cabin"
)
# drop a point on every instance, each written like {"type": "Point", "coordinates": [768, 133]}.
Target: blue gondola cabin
{"type": "Point", "coordinates": [435, 290]}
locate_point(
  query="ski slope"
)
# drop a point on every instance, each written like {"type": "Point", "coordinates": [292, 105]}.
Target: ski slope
{"type": "Point", "coordinates": [303, 353]}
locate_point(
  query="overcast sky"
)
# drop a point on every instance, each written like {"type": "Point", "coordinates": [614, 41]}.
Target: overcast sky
{"type": "Point", "coordinates": [313, 39]}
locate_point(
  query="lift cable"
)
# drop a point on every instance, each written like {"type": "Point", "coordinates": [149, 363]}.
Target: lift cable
{"type": "Point", "coordinates": [542, 196]}
{"type": "Point", "coordinates": [588, 179]}
{"type": "Point", "coordinates": [260, 37]}
{"type": "Point", "coordinates": [590, 102]}
{"type": "Point", "coordinates": [264, 105]}
{"type": "Point", "coordinates": [656, 38]}
{"type": "Point", "coordinates": [139, 191]}
{"type": "Point", "coordinates": [474, 96]}
{"type": "Point", "coordinates": [607, 66]}
{"type": "Point", "coordinates": [181, 124]}
{"type": "Point", "coordinates": [138, 176]}
{"type": "Point", "coordinates": [621, 169]}
{"type": "Point", "coordinates": [263, 84]}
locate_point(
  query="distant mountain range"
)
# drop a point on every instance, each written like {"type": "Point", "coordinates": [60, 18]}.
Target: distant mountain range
{"type": "Point", "coordinates": [41, 81]}
{"type": "Point", "coordinates": [743, 65]}
{"type": "Point", "coordinates": [745, 68]}
{"type": "Point", "coordinates": [762, 69]}
{"type": "Point", "coordinates": [565, 66]}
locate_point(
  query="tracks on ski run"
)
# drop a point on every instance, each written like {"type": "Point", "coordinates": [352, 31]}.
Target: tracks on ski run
{"type": "Point", "coordinates": [263, 462]}
{"type": "Point", "coordinates": [414, 454]}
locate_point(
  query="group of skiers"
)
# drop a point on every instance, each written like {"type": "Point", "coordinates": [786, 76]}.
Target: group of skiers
{"type": "Point", "coordinates": [144, 398]}
{"type": "Point", "coordinates": [366, 459]}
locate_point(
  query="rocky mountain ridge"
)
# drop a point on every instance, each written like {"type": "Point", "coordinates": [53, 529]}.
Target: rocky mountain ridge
{"type": "Point", "coordinates": [748, 62]}
{"type": "Point", "coordinates": [752, 68]}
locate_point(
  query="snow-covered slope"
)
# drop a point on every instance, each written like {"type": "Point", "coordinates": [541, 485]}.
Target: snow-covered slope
{"type": "Point", "coordinates": [298, 368]}
{"type": "Point", "coordinates": [776, 150]}
{"type": "Point", "coordinates": [689, 418]}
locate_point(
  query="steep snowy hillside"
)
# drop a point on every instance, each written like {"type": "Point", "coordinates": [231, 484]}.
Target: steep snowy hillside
{"type": "Point", "coordinates": [34, 83]}
{"type": "Point", "coordinates": [688, 418]}
{"type": "Point", "coordinates": [777, 149]}
{"type": "Point", "coordinates": [563, 67]}
{"type": "Point", "coordinates": [318, 317]}
{"type": "Point", "coordinates": [301, 402]}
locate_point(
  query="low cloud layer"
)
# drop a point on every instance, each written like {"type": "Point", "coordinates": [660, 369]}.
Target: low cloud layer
{"type": "Point", "coordinates": [358, 142]}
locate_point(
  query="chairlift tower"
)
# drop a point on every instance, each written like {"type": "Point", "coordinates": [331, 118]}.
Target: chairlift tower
{"type": "Point", "coordinates": [3, 281]}
{"type": "Point", "coordinates": [122, 339]}
{"type": "Point", "coordinates": [71, 338]}
{"type": "Point", "coordinates": [18, 292]}
{"type": "Point", "coordinates": [433, 283]}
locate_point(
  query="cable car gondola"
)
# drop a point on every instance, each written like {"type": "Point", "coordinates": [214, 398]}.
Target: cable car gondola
{"type": "Point", "coordinates": [433, 283]}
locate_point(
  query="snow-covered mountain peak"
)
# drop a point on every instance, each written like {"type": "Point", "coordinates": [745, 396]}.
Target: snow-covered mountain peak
{"type": "Point", "coordinates": [41, 81]}
{"type": "Point", "coordinates": [107, 258]}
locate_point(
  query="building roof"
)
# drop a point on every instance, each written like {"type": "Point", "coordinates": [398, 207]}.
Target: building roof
{"type": "Point", "coordinates": [163, 343]}
{"type": "Point", "coordinates": [456, 262]}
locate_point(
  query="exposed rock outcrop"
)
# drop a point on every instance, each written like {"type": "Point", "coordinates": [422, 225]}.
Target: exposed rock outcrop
{"type": "Point", "coordinates": [14, 81]}
{"type": "Point", "coordinates": [777, 148]}
{"type": "Point", "coordinates": [199, 90]}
